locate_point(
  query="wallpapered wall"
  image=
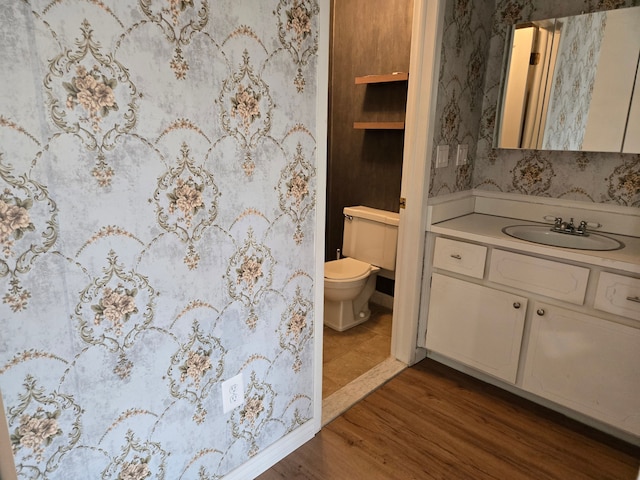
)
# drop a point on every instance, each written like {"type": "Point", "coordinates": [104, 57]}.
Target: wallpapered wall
{"type": "Point", "coordinates": [573, 81]}
{"type": "Point", "coordinates": [465, 43]}
{"type": "Point", "coordinates": [158, 172]}
{"type": "Point", "coordinates": [469, 86]}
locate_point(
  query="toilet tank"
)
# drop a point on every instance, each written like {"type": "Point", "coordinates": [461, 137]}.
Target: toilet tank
{"type": "Point", "coordinates": [371, 235]}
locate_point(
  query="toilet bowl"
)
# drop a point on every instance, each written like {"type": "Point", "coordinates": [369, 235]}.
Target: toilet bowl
{"type": "Point", "coordinates": [369, 243]}
{"type": "Point", "coordinates": [348, 286]}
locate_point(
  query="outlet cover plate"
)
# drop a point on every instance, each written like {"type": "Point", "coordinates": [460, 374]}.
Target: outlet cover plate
{"type": "Point", "coordinates": [442, 156]}
{"type": "Point", "coordinates": [232, 393]}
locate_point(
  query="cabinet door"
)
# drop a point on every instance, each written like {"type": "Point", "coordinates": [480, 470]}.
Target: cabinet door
{"type": "Point", "coordinates": [475, 325]}
{"type": "Point", "coordinates": [588, 364]}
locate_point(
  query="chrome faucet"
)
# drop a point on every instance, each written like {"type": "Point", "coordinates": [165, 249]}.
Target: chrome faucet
{"type": "Point", "coordinates": [569, 228]}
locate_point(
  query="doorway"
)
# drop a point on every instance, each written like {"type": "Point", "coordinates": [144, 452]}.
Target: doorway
{"type": "Point", "coordinates": [426, 19]}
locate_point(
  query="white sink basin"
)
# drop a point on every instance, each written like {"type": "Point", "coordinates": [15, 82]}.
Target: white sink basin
{"type": "Point", "coordinates": [544, 235]}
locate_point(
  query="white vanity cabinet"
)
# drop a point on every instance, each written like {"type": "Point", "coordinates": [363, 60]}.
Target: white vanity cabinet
{"type": "Point", "coordinates": [585, 363]}
{"type": "Point", "coordinates": [561, 332]}
{"type": "Point", "coordinates": [473, 324]}
{"type": "Point", "coordinates": [478, 326]}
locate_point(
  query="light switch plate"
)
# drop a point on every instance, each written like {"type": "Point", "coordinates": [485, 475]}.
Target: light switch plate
{"type": "Point", "coordinates": [461, 157]}
{"type": "Point", "coordinates": [442, 156]}
{"type": "Point", "coordinates": [232, 393]}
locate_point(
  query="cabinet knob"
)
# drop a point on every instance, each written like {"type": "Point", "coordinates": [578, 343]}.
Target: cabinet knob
{"type": "Point", "coordinates": [456, 256]}
{"type": "Point", "coordinates": [540, 311]}
{"type": "Point", "coordinates": [516, 305]}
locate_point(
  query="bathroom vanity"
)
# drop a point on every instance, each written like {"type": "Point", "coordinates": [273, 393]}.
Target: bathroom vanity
{"type": "Point", "coordinates": [560, 326]}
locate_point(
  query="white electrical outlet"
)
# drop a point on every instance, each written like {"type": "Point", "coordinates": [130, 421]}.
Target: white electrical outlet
{"type": "Point", "coordinates": [232, 393]}
{"type": "Point", "coordinates": [461, 157]}
{"type": "Point", "coordinates": [442, 156]}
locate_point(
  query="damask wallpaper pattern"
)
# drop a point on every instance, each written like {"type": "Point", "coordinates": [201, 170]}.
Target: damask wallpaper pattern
{"type": "Point", "coordinates": [573, 81]}
{"type": "Point", "coordinates": [466, 32]}
{"type": "Point", "coordinates": [473, 47]}
{"type": "Point", "coordinates": [157, 218]}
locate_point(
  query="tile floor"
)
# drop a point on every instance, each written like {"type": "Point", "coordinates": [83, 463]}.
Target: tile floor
{"type": "Point", "coordinates": [349, 354]}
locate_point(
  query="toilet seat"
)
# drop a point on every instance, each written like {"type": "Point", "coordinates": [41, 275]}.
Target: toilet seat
{"type": "Point", "coordinates": [346, 269]}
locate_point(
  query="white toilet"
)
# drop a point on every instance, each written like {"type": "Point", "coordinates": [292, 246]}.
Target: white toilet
{"type": "Point", "coordinates": [370, 242]}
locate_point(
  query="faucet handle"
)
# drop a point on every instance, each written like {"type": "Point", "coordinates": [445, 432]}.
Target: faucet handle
{"type": "Point", "coordinates": [593, 224]}
{"type": "Point", "coordinates": [582, 228]}
{"type": "Point", "coordinates": [557, 221]}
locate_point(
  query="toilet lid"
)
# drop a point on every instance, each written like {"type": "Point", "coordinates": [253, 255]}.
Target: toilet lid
{"type": "Point", "coordinates": [345, 268]}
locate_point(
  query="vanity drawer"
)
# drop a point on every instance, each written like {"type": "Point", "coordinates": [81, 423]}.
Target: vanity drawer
{"type": "Point", "coordinates": [537, 275]}
{"type": "Point", "coordinates": [619, 295]}
{"type": "Point", "coordinates": [459, 257]}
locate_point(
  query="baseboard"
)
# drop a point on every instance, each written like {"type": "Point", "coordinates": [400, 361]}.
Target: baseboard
{"type": "Point", "coordinates": [275, 452]}
{"type": "Point", "coordinates": [382, 299]}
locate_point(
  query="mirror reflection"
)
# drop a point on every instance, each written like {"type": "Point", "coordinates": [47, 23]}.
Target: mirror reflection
{"type": "Point", "coordinates": [573, 83]}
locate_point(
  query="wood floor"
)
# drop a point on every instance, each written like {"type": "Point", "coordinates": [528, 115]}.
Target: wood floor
{"type": "Point", "coordinates": [432, 422]}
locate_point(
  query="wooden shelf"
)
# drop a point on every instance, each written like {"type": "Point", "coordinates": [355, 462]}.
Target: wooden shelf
{"type": "Point", "coordinates": [378, 125]}
{"type": "Point", "coordinates": [386, 78]}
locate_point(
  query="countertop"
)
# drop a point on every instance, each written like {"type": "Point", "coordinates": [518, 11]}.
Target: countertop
{"type": "Point", "coordinates": [488, 229]}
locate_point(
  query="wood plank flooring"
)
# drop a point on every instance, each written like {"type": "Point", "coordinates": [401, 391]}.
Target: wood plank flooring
{"type": "Point", "coordinates": [432, 422]}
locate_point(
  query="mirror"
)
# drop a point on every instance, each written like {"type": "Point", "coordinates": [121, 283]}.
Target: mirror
{"type": "Point", "coordinates": [572, 83]}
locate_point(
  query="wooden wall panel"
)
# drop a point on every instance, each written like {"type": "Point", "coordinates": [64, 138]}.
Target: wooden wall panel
{"type": "Point", "coordinates": [365, 166]}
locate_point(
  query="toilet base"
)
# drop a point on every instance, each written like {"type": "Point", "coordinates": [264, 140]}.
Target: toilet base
{"type": "Point", "coordinates": [339, 316]}
{"type": "Point", "coordinates": [345, 314]}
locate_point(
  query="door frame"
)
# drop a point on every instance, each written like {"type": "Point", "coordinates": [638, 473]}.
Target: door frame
{"type": "Point", "coordinates": [426, 47]}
